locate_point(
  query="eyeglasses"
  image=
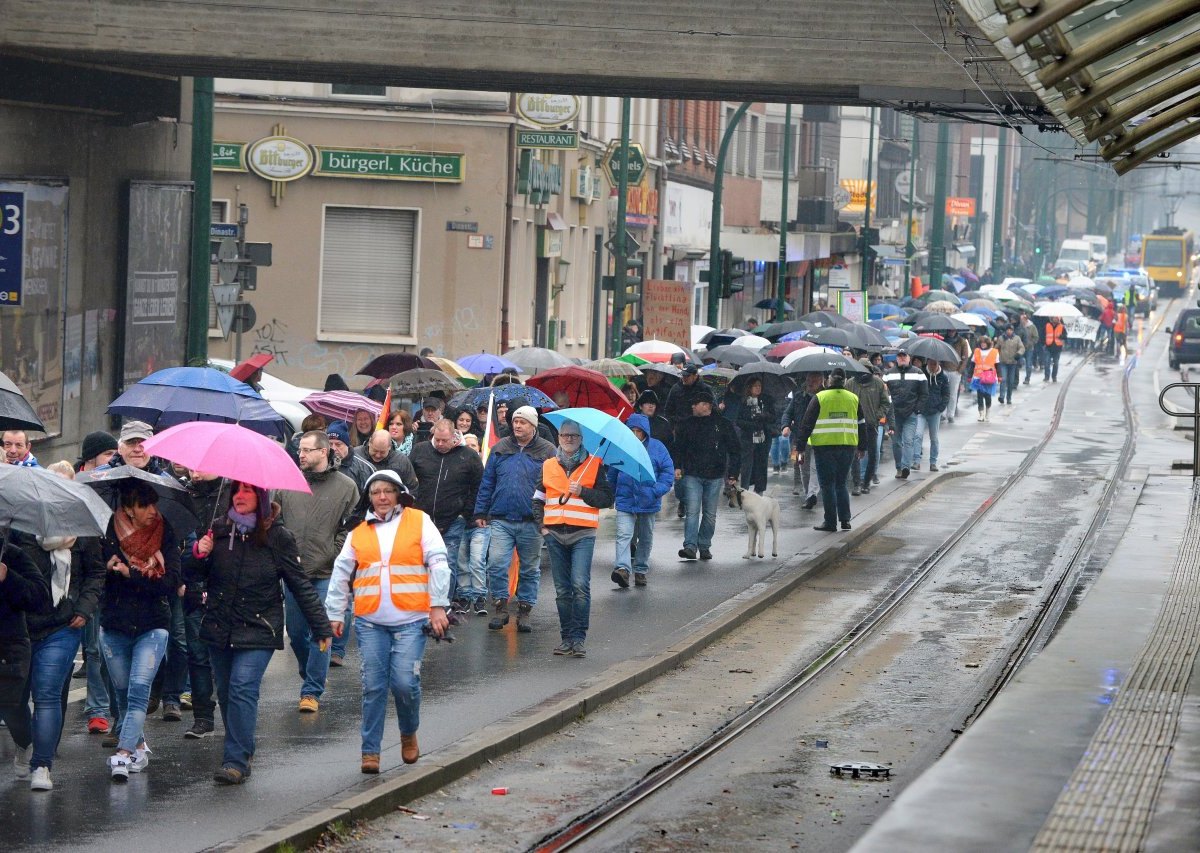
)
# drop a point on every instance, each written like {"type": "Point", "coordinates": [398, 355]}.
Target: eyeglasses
{"type": "Point", "coordinates": [571, 435]}
{"type": "Point", "coordinates": [311, 449]}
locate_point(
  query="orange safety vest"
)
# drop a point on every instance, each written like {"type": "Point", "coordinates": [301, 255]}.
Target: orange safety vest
{"type": "Point", "coordinates": [1055, 333]}
{"type": "Point", "coordinates": [1119, 323]}
{"type": "Point", "coordinates": [408, 578]}
{"type": "Point", "coordinates": [561, 506]}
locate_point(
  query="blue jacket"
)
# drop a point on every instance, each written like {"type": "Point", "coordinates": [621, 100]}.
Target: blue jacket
{"type": "Point", "coordinates": [638, 497]}
{"type": "Point", "coordinates": [510, 478]}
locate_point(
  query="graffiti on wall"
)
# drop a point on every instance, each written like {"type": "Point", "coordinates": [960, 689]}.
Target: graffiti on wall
{"type": "Point", "coordinates": [463, 327]}
{"type": "Point", "coordinates": [271, 338]}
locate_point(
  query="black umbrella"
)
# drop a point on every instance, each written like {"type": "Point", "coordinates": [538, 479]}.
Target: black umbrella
{"type": "Point", "coordinates": [940, 323]}
{"type": "Point", "coordinates": [775, 379]}
{"type": "Point", "coordinates": [174, 502]}
{"type": "Point", "coordinates": [391, 363]}
{"type": "Point", "coordinates": [820, 361]}
{"type": "Point", "coordinates": [826, 318]}
{"type": "Point", "coordinates": [722, 337]}
{"type": "Point", "coordinates": [735, 355]}
{"type": "Point", "coordinates": [764, 304]}
{"type": "Point", "coordinates": [830, 336]}
{"type": "Point", "coordinates": [929, 348]}
{"type": "Point", "coordinates": [775, 331]}
{"type": "Point", "coordinates": [15, 411]}
{"type": "Point", "coordinates": [868, 338]}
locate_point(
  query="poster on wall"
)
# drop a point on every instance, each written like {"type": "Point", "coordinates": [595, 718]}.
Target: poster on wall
{"type": "Point", "coordinates": [853, 304]}
{"type": "Point", "coordinates": [667, 311]}
{"type": "Point", "coordinates": [91, 348]}
{"type": "Point", "coordinates": [157, 241]}
{"type": "Point", "coordinates": [31, 323]}
{"type": "Point", "coordinates": [73, 358]}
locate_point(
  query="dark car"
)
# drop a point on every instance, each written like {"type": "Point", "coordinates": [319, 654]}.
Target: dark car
{"type": "Point", "coordinates": [1185, 338]}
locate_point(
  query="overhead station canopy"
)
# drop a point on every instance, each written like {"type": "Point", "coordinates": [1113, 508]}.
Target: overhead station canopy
{"type": "Point", "coordinates": [1124, 73]}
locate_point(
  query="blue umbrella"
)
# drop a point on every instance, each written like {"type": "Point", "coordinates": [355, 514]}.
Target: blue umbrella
{"type": "Point", "coordinates": [476, 397]}
{"type": "Point", "coordinates": [609, 440]}
{"type": "Point", "coordinates": [794, 336]}
{"type": "Point", "coordinates": [181, 394]}
{"type": "Point", "coordinates": [883, 309]}
{"type": "Point", "coordinates": [485, 362]}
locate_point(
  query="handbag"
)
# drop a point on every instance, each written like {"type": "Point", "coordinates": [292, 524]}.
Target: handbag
{"type": "Point", "coordinates": [987, 376]}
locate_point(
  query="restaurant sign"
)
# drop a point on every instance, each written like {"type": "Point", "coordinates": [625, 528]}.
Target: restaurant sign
{"type": "Point", "coordinates": [279, 158]}
{"type": "Point", "coordinates": [389, 164]}
{"type": "Point", "coordinates": [548, 110]}
{"type": "Point", "coordinates": [229, 156]}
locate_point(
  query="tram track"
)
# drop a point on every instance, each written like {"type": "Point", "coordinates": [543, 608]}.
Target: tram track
{"type": "Point", "coordinates": [1049, 610]}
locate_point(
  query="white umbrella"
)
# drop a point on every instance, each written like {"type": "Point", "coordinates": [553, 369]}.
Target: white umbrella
{"type": "Point", "coordinates": [969, 318]}
{"type": "Point", "coordinates": [1080, 281]}
{"type": "Point", "coordinates": [1057, 309]}
{"type": "Point", "coordinates": [753, 342]}
{"type": "Point", "coordinates": [697, 333]}
{"type": "Point", "coordinates": [795, 355]}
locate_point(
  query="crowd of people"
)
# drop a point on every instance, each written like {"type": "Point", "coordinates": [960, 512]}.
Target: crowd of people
{"type": "Point", "coordinates": [414, 522]}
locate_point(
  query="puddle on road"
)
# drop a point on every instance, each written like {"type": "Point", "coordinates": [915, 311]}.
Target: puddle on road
{"type": "Point", "coordinates": [881, 546]}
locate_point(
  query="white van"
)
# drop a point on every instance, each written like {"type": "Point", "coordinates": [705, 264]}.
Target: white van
{"type": "Point", "coordinates": [1099, 244]}
{"type": "Point", "coordinates": [1073, 253]}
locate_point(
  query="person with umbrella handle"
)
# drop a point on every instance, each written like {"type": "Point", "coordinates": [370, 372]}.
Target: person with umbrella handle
{"type": "Point", "coordinates": [23, 590]}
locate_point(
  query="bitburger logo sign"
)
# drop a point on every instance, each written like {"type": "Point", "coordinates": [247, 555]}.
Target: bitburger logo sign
{"type": "Point", "coordinates": [548, 110]}
{"type": "Point", "coordinates": [279, 158]}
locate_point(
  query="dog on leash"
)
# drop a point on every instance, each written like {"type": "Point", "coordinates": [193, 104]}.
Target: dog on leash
{"type": "Point", "coordinates": [761, 511]}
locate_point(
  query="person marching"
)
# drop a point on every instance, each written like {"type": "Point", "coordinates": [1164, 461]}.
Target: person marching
{"type": "Point", "coordinates": [836, 431]}
{"type": "Point", "coordinates": [1120, 329]}
{"type": "Point", "coordinates": [1054, 336]}
{"type": "Point", "coordinates": [396, 561]}
{"type": "Point", "coordinates": [985, 379]}
{"type": "Point", "coordinates": [571, 491]}
{"type": "Point", "coordinates": [638, 504]}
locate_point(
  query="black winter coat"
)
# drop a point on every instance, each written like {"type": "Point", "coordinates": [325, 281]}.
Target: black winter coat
{"type": "Point", "coordinates": [765, 420]}
{"type": "Point", "coordinates": [136, 604]}
{"type": "Point", "coordinates": [84, 592]}
{"type": "Point", "coordinates": [245, 601]}
{"type": "Point", "coordinates": [205, 497]}
{"type": "Point", "coordinates": [23, 591]}
{"type": "Point", "coordinates": [447, 483]}
{"type": "Point", "coordinates": [678, 406]}
{"type": "Point", "coordinates": [708, 448]}
{"type": "Point", "coordinates": [939, 394]}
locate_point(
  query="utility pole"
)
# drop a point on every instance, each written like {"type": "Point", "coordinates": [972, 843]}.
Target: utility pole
{"type": "Point", "coordinates": [714, 251]}
{"type": "Point", "coordinates": [202, 139]}
{"type": "Point", "coordinates": [618, 309]}
{"type": "Point", "coordinates": [998, 207]}
{"type": "Point", "coordinates": [937, 234]}
{"type": "Point", "coordinates": [866, 238]}
{"type": "Point", "coordinates": [781, 283]}
{"type": "Point", "coordinates": [910, 246]}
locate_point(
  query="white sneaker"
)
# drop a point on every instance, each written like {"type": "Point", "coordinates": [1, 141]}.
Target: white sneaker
{"type": "Point", "coordinates": [981, 417]}
{"type": "Point", "coordinates": [21, 762]}
{"type": "Point", "coordinates": [140, 759]}
{"type": "Point", "coordinates": [118, 767]}
{"type": "Point", "coordinates": [40, 780]}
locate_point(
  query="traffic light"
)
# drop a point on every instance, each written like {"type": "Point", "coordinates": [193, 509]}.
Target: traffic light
{"type": "Point", "coordinates": [635, 269]}
{"type": "Point", "coordinates": [733, 274]}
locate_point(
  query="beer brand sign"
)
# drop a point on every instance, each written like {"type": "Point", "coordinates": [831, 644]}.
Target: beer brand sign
{"type": "Point", "coordinates": [279, 158]}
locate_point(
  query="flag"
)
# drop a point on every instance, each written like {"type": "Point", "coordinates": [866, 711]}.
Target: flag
{"type": "Point", "coordinates": [489, 434]}
{"type": "Point", "coordinates": [385, 414]}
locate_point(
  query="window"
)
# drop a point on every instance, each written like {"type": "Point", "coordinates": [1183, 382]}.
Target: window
{"type": "Point", "coordinates": [773, 147]}
{"type": "Point", "coordinates": [368, 273]}
{"type": "Point", "coordinates": [752, 149]}
{"type": "Point", "coordinates": [359, 90]}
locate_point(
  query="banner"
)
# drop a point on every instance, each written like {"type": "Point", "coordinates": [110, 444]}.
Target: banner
{"type": "Point", "coordinates": [667, 311]}
{"type": "Point", "coordinates": [853, 304]}
{"type": "Point", "coordinates": [1082, 328]}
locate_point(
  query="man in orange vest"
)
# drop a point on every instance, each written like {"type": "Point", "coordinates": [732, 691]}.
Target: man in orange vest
{"type": "Point", "coordinates": [1120, 325]}
{"type": "Point", "coordinates": [396, 561]}
{"type": "Point", "coordinates": [572, 490]}
{"type": "Point", "coordinates": [1054, 335]}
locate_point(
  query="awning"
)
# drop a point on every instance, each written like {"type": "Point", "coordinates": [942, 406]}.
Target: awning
{"type": "Point", "coordinates": [1126, 75]}
{"type": "Point", "coordinates": [964, 248]}
{"type": "Point", "coordinates": [555, 222]}
{"type": "Point", "coordinates": [890, 255]}
{"type": "Point", "coordinates": [765, 247]}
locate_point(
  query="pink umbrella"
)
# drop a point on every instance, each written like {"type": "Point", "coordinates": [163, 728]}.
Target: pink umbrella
{"type": "Point", "coordinates": [229, 450]}
{"type": "Point", "coordinates": [341, 405]}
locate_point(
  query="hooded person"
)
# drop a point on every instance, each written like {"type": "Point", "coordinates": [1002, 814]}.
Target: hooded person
{"type": "Point", "coordinates": [638, 503]}
{"type": "Point", "coordinates": [649, 405]}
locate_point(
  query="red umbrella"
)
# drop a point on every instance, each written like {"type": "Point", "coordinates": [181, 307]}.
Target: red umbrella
{"type": "Point", "coordinates": [247, 368]}
{"type": "Point", "coordinates": [584, 389]}
{"type": "Point", "coordinates": [780, 350]}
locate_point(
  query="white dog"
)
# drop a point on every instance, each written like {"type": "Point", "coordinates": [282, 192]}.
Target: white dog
{"type": "Point", "coordinates": [761, 511]}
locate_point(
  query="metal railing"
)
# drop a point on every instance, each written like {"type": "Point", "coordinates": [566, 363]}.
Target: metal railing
{"type": "Point", "coordinates": [1193, 416]}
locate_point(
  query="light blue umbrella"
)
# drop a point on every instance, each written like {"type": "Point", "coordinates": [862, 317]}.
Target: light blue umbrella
{"type": "Point", "coordinates": [609, 440]}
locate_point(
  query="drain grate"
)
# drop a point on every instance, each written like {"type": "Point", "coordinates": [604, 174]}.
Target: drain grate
{"type": "Point", "coordinates": [861, 770]}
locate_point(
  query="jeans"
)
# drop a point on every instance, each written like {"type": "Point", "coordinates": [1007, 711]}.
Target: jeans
{"type": "Point", "coordinates": [175, 669]}
{"type": "Point", "coordinates": [754, 464]}
{"type": "Point", "coordinates": [524, 536]}
{"type": "Point", "coordinates": [453, 536]}
{"type": "Point", "coordinates": [132, 664]}
{"type": "Point", "coordinates": [1028, 364]}
{"type": "Point", "coordinates": [930, 424]}
{"type": "Point", "coordinates": [833, 467]}
{"type": "Point", "coordinates": [905, 440]}
{"type": "Point", "coordinates": [314, 663]}
{"type": "Point", "coordinates": [954, 377]}
{"type": "Point", "coordinates": [635, 538]}
{"type": "Point", "coordinates": [864, 470]}
{"type": "Point", "coordinates": [1050, 363]}
{"type": "Point", "coordinates": [51, 662]}
{"type": "Point", "coordinates": [239, 675]}
{"type": "Point", "coordinates": [701, 497]}
{"type": "Point", "coordinates": [1010, 377]}
{"type": "Point", "coordinates": [391, 661]}
{"type": "Point", "coordinates": [96, 703]}
{"type": "Point", "coordinates": [199, 669]}
{"type": "Point", "coordinates": [472, 563]}
{"type": "Point", "coordinates": [571, 566]}
{"type": "Point", "coordinates": [337, 648]}
{"type": "Point", "coordinates": [805, 478]}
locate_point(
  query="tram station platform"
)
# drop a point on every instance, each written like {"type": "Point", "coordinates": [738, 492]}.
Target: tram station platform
{"type": "Point", "coordinates": [1095, 744]}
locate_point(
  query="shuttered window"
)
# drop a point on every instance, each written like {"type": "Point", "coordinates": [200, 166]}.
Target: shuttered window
{"type": "Point", "coordinates": [367, 276]}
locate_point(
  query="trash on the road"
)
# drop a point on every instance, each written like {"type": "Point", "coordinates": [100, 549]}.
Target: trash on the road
{"type": "Point", "coordinates": [821, 744]}
{"type": "Point", "coordinates": [420, 817]}
{"type": "Point", "coordinates": [499, 792]}
{"type": "Point", "coordinates": [742, 670]}
{"type": "Point", "coordinates": [464, 826]}
{"type": "Point", "coordinates": [973, 666]}
{"type": "Point", "coordinates": [405, 810]}
{"type": "Point", "coordinates": [860, 770]}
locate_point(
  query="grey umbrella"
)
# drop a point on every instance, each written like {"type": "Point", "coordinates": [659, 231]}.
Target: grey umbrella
{"type": "Point", "coordinates": [832, 336]}
{"type": "Point", "coordinates": [929, 348]}
{"type": "Point", "coordinates": [15, 411]}
{"type": "Point", "coordinates": [420, 381]}
{"type": "Point", "coordinates": [35, 501]}
{"type": "Point", "coordinates": [174, 502]}
{"type": "Point", "coordinates": [823, 362]}
{"type": "Point", "coordinates": [735, 355]}
{"type": "Point", "coordinates": [867, 338]}
{"type": "Point", "coordinates": [533, 360]}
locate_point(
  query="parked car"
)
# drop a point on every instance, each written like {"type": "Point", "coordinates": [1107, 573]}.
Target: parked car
{"type": "Point", "coordinates": [1185, 338]}
{"type": "Point", "coordinates": [284, 397]}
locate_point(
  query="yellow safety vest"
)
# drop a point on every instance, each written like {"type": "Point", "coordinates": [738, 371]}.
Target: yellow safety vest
{"type": "Point", "coordinates": [406, 567]}
{"type": "Point", "coordinates": [561, 506]}
{"type": "Point", "coordinates": [837, 424]}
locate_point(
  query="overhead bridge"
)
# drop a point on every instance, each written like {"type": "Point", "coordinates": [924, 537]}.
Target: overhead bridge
{"type": "Point", "coordinates": [901, 52]}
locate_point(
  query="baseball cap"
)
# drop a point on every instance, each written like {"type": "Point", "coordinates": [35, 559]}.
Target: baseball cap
{"type": "Point", "coordinates": [406, 498]}
{"type": "Point", "coordinates": [339, 430]}
{"type": "Point", "coordinates": [136, 430]}
{"type": "Point", "coordinates": [432, 403]}
{"type": "Point", "coordinates": [690, 370]}
{"type": "Point", "coordinates": [526, 413]}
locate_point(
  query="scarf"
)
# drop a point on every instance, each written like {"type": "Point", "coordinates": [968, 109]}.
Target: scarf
{"type": "Point", "coordinates": [570, 462]}
{"type": "Point", "coordinates": [60, 560]}
{"type": "Point", "coordinates": [405, 446]}
{"type": "Point", "coordinates": [384, 519]}
{"type": "Point", "coordinates": [143, 546]}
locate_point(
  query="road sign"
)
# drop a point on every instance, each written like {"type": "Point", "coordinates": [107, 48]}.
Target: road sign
{"type": "Point", "coordinates": [223, 229]}
{"type": "Point", "coordinates": [12, 247]}
{"type": "Point", "coordinates": [637, 163]}
{"type": "Point", "coordinates": [227, 260]}
{"type": "Point", "coordinates": [632, 246]}
{"type": "Point", "coordinates": [225, 297]}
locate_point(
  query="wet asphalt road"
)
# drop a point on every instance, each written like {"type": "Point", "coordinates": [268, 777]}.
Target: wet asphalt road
{"type": "Point", "coordinates": [482, 678]}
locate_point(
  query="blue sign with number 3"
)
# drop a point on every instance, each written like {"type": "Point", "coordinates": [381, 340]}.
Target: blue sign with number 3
{"type": "Point", "coordinates": [12, 246]}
